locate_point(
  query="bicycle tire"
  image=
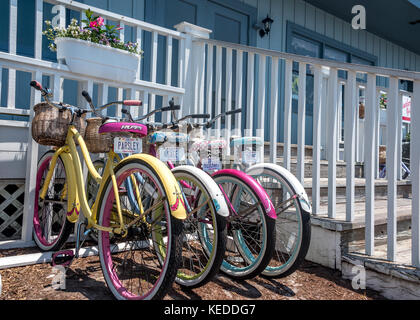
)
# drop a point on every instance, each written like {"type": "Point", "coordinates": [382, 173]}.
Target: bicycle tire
{"type": "Point", "coordinates": [252, 267]}
{"type": "Point", "coordinates": [193, 256]}
{"type": "Point", "coordinates": [291, 245]}
{"type": "Point", "coordinates": [168, 261]}
{"type": "Point", "coordinates": [66, 228]}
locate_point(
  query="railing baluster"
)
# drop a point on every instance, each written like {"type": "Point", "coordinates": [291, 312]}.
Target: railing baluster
{"type": "Point", "coordinates": [238, 99]}
{"type": "Point", "coordinates": [11, 91]}
{"type": "Point", "coordinates": [391, 166]}
{"type": "Point", "coordinates": [38, 28]}
{"type": "Point", "coordinates": [103, 96]}
{"type": "Point", "coordinates": [168, 73]}
{"type": "Point", "coordinates": [209, 78]}
{"type": "Point", "coordinates": [228, 97]}
{"type": "Point", "coordinates": [262, 72]}
{"type": "Point", "coordinates": [316, 155]}
{"type": "Point", "coordinates": [377, 133]}
{"type": "Point", "coordinates": [181, 72]}
{"type": "Point", "coordinates": [139, 41]}
{"type": "Point", "coordinates": [370, 165]}
{"type": "Point", "coordinates": [57, 87]}
{"type": "Point", "coordinates": [145, 99]}
{"type": "Point", "coordinates": [415, 175]}
{"type": "Point", "coordinates": [13, 26]}
{"type": "Point", "coordinates": [274, 108]}
{"type": "Point", "coordinates": [399, 137]}
{"type": "Point", "coordinates": [288, 79]}
{"type": "Point", "coordinates": [201, 70]}
{"type": "Point", "coordinates": [120, 97]}
{"type": "Point", "coordinates": [350, 119]}
{"type": "Point", "coordinates": [332, 142]}
{"type": "Point", "coordinates": [300, 171]}
{"type": "Point", "coordinates": [153, 69]}
{"type": "Point", "coordinates": [218, 88]}
{"type": "Point", "coordinates": [250, 95]}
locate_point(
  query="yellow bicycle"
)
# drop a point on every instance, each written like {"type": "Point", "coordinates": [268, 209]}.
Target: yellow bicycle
{"type": "Point", "coordinates": [142, 260]}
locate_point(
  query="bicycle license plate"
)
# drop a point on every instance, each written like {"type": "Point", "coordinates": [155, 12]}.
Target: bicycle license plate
{"type": "Point", "coordinates": [127, 145]}
{"type": "Point", "coordinates": [211, 164]}
{"type": "Point", "coordinates": [251, 156]}
{"type": "Point", "coordinates": [173, 154]}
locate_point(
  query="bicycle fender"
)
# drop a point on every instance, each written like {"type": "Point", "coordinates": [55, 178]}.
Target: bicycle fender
{"type": "Point", "coordinates": [172, 189]}
{"type": "Point", "coordinates": [73, 203]}
{"type": "Point", "coordinates": [259, 190]}
{"type": "Point", "coordinates": [214, 190]}
{"type": "Point", "coordinates": [288, 176]}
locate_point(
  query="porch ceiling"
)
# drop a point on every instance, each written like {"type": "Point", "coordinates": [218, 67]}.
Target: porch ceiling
{"type": "Point", "coordinates": [389, 19]}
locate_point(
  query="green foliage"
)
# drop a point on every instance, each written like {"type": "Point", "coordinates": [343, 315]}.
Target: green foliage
{"type": "Point", "coordinates": [95, 30]}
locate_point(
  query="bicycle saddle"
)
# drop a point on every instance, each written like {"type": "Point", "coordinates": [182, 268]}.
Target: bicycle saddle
{"type": "Point", "coordinates": [174, 137]}
{"type": "Point", "coordinates": [246, 141]}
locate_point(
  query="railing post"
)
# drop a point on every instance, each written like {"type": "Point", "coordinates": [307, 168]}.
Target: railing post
{"type": "Point", "coordinates": [194, 63]}
{"type": "Point", "coordinates": [11, 91]}
{"type": "Point", "coordinates": [370, 162]}
{"type": "Point", "coordinates": [415, 175]}
{"type": "Point", "coordinates": [31, 168]}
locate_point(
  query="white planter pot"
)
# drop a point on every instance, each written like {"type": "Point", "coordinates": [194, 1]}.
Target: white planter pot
{"type": "Point", "coordinates": [97, 60]}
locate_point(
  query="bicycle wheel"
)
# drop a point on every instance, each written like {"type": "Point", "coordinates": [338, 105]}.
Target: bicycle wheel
{"type": "Point", "coordinates": [293, 223]}
{"type": "Point", "coordinates": [51, 227]}
{"type": "Point", "coordinates": [251, 233]}
{"type": "Point", "coordinates": [143, 263]}
{"type": "Point", "coordinates": [204, 232]}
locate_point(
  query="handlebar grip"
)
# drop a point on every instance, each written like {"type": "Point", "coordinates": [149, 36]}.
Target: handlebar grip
{"type": "Point", "coordinates": [132, 103]}
{"type": "Point", "coordinates": [234, 111]}
{"type": "Point", "coordinates": [171, 108]}
{"type": "Point", "coordinates": [200, 116]}
{"type": "Point", "coordinates": [86, 95]}
{"type": "Point", "coordinates": [36, 85]}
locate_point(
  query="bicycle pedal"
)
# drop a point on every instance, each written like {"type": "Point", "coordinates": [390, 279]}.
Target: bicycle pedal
{"type": "Point", "coordinates": [62, 258]}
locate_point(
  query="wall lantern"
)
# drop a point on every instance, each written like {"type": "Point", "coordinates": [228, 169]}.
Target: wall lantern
{"type": "Point", "coordinates": [266, 26]}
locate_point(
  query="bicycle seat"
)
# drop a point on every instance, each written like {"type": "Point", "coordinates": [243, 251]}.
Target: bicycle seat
{"type": "Point", "coordinates": [246, 141]}
{"type": "Point", "coordinates": [174, 137]}
{"type": "Point", "coordinates": [135, 128]}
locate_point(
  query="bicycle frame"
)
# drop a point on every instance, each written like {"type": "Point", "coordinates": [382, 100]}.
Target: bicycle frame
{"type": "Point", "coordinates": [75, 186]}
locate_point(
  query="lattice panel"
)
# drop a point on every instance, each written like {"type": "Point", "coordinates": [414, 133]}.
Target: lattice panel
{"type": "Point", "coordinates": [11, 210]}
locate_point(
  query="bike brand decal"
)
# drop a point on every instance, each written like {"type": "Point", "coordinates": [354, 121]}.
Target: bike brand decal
{"type": "Point", "coordinates": [131, 127]}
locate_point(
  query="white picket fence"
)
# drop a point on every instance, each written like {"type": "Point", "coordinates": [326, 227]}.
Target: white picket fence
{"type": "Point", "coordinates": [235, 73]}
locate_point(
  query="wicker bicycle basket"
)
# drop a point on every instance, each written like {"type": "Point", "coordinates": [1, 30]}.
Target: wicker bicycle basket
{"type": "Point", "coordinates": [101, 142]}
{"type": "Point", "coordinates": [97, 142]}
{"type": "Point", "coordinates": [50, 125]}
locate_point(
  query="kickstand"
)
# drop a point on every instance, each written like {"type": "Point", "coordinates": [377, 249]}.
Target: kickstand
{"type": "Point", "coordinates": [66, 257]}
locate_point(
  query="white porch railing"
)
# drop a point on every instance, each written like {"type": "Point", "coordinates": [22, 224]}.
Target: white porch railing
{"type": "Point", "coordinates": [325, 99]}
{"type": "Point", "coordinates": [238, 74]}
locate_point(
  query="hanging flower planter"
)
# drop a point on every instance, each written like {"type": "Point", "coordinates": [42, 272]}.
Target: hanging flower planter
{"type": "Point", "coordinates": [98, 60]}
{"type": "Point", "coordinates": [95, 49]}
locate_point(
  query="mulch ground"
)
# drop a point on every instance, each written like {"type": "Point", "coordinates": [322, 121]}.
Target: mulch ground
{"type": "Point", "coordinates": [84, 281]}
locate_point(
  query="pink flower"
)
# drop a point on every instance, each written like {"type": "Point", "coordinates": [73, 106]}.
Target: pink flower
{"type": "Point", "coordinates": [100, 21]}
{"type": "Point", "coordinates": [93, 24]}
